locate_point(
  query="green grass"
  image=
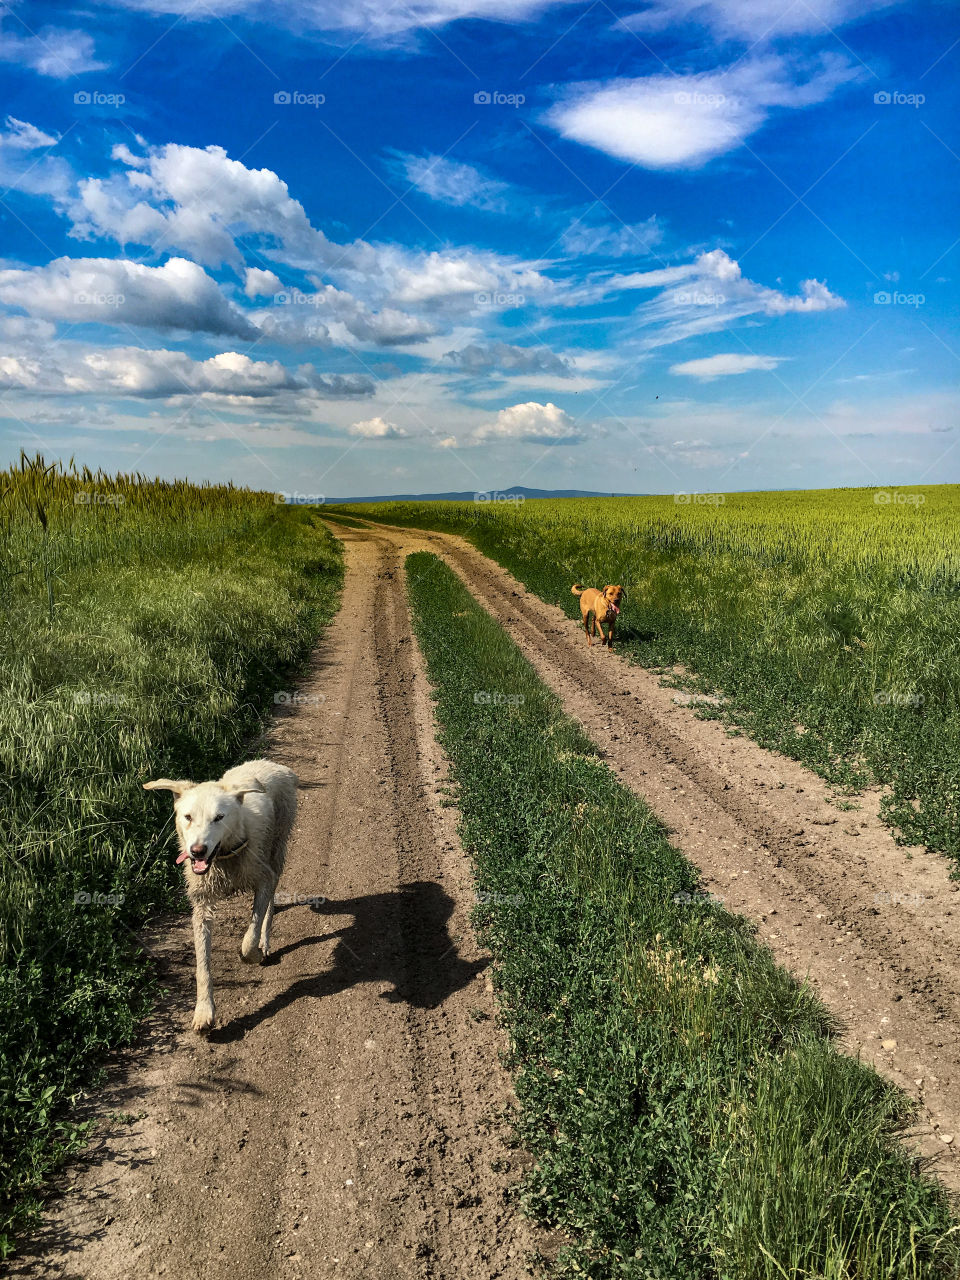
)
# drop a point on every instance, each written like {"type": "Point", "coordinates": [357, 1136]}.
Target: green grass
{"type": "Point", "coordinates": [146, 634]}
{"type": "Point", "coordinates": [830, 621]}
{"type": "Point", "coordinates": [687, 1112]}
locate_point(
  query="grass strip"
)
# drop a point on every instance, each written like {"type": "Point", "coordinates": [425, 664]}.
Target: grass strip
{"type": "Point", "coordinates": [149, 627]}
{"type": "Point", "coordinates": [688, 1113]}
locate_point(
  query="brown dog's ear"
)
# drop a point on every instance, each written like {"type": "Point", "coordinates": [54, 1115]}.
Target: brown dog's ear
{"type": "Point", "coordinates": [167, 784]}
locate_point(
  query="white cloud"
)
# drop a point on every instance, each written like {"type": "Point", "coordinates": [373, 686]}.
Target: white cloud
{"type": "Point", "coordinates": [719, 366]}
{"type": "Point", "coordinates": [260, 284]}
{"type": "Point", "coordinates": [682, 122]}
{"type": "Point", "coordinates": [754, 20]}
{"type": "Point", "coordinates": [377, 429]}
{"type": "Point", "coordinates": [23, 136]}
{"type": "Point", "coordinates": [709, 294]}
{"type": "Point", "coordinates": [507, 358]}
{"type": "Point", "coordinates": [375, 20]}
{"type": "Point", "coordinates": [174, 376]}
{"type": "Point", "coordinates": [613, 240]}
{"type": "Point", "coordinates": [22, 170]}
{"type": "Point", "coordinates": [531, 423]}
{"type": "Point", "coordinates": [177, 296]}
{"type": "Point", "coordinates": [454, 183]}
{"type": "Point", "coordinates": [331, 315]}
{"type": "Point", "coordinates": [198, 201]}
{"type": "Point", "coordinates": [51, 52]}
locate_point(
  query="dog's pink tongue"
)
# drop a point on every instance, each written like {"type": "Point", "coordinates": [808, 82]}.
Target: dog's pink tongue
{"type": "Point", "coordinates": [183, 857]}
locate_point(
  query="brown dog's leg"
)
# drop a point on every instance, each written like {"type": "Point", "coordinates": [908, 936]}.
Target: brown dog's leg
{"type": "Point", "coordinates": [586, 627]}
{"type": "Point", "coordinates": [610, 636]}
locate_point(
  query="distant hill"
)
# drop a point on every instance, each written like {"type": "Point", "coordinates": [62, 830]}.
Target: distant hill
{"type": "Point", "coordinates": [517, 489]}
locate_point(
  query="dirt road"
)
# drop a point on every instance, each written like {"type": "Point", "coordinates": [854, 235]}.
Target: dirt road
{"type": "Point", "coordinates": [871, 924]}
{"type": "Point", "coordinates": [343, 1120]}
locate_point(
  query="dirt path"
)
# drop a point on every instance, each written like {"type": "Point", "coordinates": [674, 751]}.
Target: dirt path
{"type": "Point", "coordinates": [872, 925]}
{"type": "Point", "coordinates": [344, 1118]}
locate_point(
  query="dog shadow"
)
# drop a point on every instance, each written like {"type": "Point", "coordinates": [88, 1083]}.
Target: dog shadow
{"type": "Point", "coordinates": [401, 938]}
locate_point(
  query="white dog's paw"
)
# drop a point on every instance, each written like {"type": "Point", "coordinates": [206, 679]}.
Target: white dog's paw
{"type": "Point", "coordinates": [204, 1017]}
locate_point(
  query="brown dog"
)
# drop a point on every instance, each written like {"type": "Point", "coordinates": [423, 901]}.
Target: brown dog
{"type": "Point", "coordinates": [603, 605]}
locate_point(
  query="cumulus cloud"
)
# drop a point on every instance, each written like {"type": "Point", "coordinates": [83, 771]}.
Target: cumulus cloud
{"type": "Point", "coordinates": [481, 357]}
{"type": "Point", "coordinates": [327, 314]}
{"type": "Point", "coordinates": [682, 122]}
{"type": "Point", "coordinates": [198, 201]}
{"type": "Point", "coordinates": [531, 423]}
{"type": "Point", "coordinates": [175, 376]}
{"type": "Point", "coordinates": [177, 296]}
{"type": "Point", "coordinates": [377, 429]}
{"type": "Point", "coordinates": [260, 284]}
{"type": "Point", "coordinates": [720, 366]}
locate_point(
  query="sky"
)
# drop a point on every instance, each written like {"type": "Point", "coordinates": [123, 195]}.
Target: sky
{"type": "Point", "coordinates": [325, 249]}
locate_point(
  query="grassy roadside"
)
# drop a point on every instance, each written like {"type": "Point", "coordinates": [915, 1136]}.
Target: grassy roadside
{"type": "Point", "coordinates": [688, 1114]}
{"type": "Point", "coordinates": [148, 630]}
{"type": "Point", "coordinates": [830, 621]}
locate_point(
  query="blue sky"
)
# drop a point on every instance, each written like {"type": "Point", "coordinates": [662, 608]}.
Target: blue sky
{"type": "Point", "coordinates": [679, 245]}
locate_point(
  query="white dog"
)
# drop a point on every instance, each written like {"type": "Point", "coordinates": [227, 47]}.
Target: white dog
{"type": "Point", "coordinates": [233, 839]}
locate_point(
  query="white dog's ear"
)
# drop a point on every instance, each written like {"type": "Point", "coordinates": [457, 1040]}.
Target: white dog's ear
{"type": "Point", "coordinates": [247, 787]}
{"type": "Point", "coordinates": [167, 784]}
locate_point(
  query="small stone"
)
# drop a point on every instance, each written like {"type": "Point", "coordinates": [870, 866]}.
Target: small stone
{"type": "Point", "coordinates": [946, 1137]}
{"type": "Point", "coordinates": [889, 1045]}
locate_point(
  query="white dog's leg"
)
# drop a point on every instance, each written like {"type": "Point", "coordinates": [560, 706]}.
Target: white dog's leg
{"type": "Point", "coordinates": [265, 931]}
{"type": "Point", "coordinates": [262, 901]}
{"type": "Point", "coordinates": [205, 1013]}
